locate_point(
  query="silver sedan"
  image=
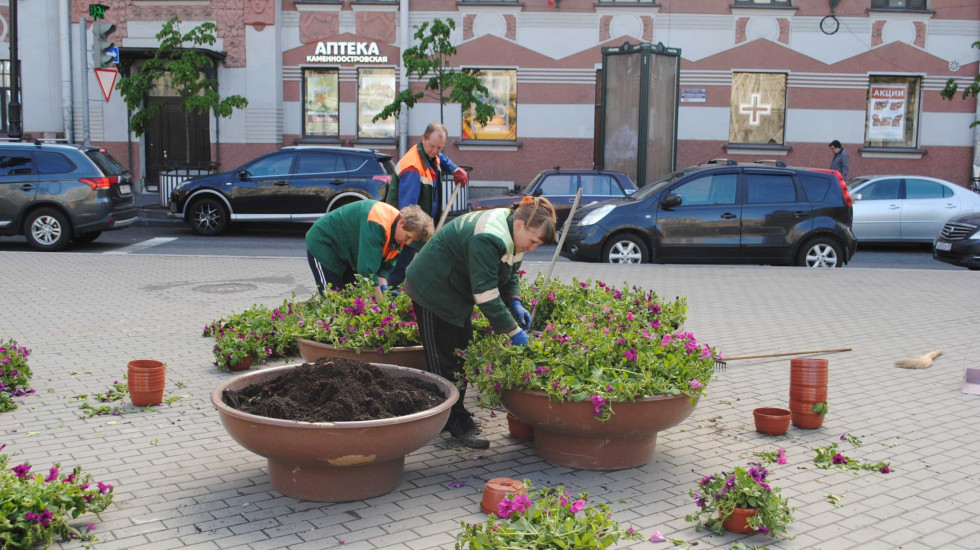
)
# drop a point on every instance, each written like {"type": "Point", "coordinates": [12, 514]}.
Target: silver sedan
{"type": "Point", "coordinates": [906, 208]}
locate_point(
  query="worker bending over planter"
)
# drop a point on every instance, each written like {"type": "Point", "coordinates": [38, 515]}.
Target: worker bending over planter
{"type": "Point", "coordinates": [474, 260]}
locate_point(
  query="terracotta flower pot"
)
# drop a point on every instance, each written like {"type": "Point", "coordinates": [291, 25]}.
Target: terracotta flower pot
{"type": "Point", "coordinates": [738, 521]}
{"type": "Point", "coordinates": [406, 356]}
{"type": "Point", "coordinates": [334, 461]}
{"type": "Point", "coordinates": [496, 489]}
{"type": "Point", "coordinates": [244, 364]}
{"type": "Point", "coordinates": [772, 421]}
{"type": "Point", "coordinates": [568, 434]}
{"type": "Point", "coordinates": [807, 386]}
{"type": "Point", "coordinates": [146, 380]}
{"type": "Point", "coordinates": [518, 429]}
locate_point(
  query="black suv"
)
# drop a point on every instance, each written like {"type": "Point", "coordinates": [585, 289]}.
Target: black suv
{"type": "Point", "coordinates": [57, 193]}
{"type": "Point", "coordinates": [723, 212]}
{"type": "Point", "coordinates": [294, 184]}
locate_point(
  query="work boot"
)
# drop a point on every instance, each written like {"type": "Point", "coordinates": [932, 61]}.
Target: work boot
{"type": "Point", "coordinates": [463, 429]}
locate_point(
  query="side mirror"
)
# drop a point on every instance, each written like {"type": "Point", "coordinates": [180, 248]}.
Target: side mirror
{"type": "Point", "coordinates": [243, 175]}
{"type": "Point", "coordinates": [670, 201]}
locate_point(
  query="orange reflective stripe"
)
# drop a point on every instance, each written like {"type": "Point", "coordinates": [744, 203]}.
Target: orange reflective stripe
{"type": "Point", "coordinates": [385, 215]}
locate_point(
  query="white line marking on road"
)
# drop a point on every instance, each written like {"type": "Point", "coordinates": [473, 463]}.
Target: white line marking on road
{"type": "Point", "coordinates": [155, 241]}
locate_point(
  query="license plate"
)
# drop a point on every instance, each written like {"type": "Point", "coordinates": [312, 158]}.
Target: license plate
{"type": "Point", "coordinates": [125, 189]}
{"type": "Point", "coordinates": [944, 246]}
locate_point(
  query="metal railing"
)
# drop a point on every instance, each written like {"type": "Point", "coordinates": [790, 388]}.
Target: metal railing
{"type": "Point", "coordinates": [461, 203]}
{"type": "Point", "coordinates": [175, 174]}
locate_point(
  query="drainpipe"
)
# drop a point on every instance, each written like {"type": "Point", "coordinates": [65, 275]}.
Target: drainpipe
{"type": "Point", "coordinates": [976, 146]}
{"type": "Point", "coordinates": [405, 36]}
{"type": "Point", "coordinates": [64, 12]}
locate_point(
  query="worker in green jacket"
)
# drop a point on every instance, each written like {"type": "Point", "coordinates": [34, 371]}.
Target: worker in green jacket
{"type": "Point", "coordinates": [362, 238]}
{"type": "Point", "coordinates": [474, 260]}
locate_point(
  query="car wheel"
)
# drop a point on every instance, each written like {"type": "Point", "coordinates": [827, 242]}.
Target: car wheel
{"type": "Point", "coordinates": [625, 249]}
{"type": "Point", "coordinates": [820, 252]}
{"type": "Point", "coordinates": [87, 237]}
{"type": "Point", "coordinates": [47, 230]}
{"type": "Point", "coordinates": [208, 217]}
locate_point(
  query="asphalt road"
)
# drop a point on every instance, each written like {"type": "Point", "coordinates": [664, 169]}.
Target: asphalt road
{"type": "Point", "coordinates": [286, 240]}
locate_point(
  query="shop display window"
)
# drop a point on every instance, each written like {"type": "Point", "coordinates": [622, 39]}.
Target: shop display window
{"type": "Point", "coordinates": [321, 102]}
{"type": "Point", "coordinates": [893, 111]}
{"type": "Point", "coordinates": [375, 90]}
{"type": "Point", "coordinates": [916, 5]}
{"type": "Point", "coordinates": [502, 84]}
{"type": "Point", "coordinates": [758, 113]}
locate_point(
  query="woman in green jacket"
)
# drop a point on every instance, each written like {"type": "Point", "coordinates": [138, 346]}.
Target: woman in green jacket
{"type": "Point", "coordinates": [362, 238]}
{"type": "Point", "coordinates": [473, 261]}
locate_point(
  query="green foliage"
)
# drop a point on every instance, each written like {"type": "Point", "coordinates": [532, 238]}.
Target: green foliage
{"type": "Point", "coordinates": [14, 373]}
{"type": "Point", "coordinates": [595, 343]}
{"type": "Point", "coordinates": [35, 508]}
{"type": "Point", "coordinates": [179, 64]}
{"type": "Point", "coordinates": [949, 92]}
{"type": "Point", "coordinates": [431, 58]}
{"type": "Point", "coordinates": [717, 496]}
{"type": "Point", "coordinates": [548, 518]}
{"type": "Point", "coordinates": [831, 458]}
{"type": "Point", "coordinates": [820, 408]}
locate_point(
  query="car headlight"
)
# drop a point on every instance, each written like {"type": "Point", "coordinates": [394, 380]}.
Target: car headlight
{"type": "Point", "coordinates": [596, 215]}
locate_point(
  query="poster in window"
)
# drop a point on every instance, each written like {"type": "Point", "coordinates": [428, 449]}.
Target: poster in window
{"type": "Point", "coordinates": [758, 112]}
{"type": "Point", "coordinates": [375, 90]}
{"type": "Point", "coordinates": [322, 103]}
{"type": "Point", "coordinates": [888, 108]}
{"type": "Point", "coordinates": [502, 85]}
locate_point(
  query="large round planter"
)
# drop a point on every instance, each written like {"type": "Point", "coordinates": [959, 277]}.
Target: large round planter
{"type": "Point", "coordinates": [567, 433]}
{"type": "Point", "coordinates": [146, 379]}
{"type": "Point", "coordinates": [807, 386]}
{"type": "Point", "coordinates": [334, 461]}
{"type": "Point", "coordinates": [406, 356]}
{"type": "Point", "coordinates": [738, 521]}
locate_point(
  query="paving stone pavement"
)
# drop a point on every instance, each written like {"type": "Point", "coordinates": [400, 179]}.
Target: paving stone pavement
{"type": "Point", "coordinates": [182, 482]}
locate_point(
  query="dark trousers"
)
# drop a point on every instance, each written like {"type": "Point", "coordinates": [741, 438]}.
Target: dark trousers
{"type": "Point", "coordinates": [397, 274]}
{"type": "Point", "coordinates": [440, 340]}
{"type": "Point", "coordinates": [324, 276]}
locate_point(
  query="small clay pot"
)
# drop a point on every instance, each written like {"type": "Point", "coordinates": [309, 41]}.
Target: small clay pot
{"type": "Point", "coordinates": [518, 429]}
{"type": "Point", "coordinates": [146, 380]}
{"type": "Point", "coordinates": [807, 420]}
{"type": "Point", "coordinates": [771, 420]}
{"type": "Point", "coordinates": [738, 521]}
{"type": "Point", "coordinates": [496, 490]}
{"type": "Point", "coordinates": [244, 364]}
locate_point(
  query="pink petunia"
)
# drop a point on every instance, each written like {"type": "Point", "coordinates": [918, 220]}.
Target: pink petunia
{"type": "Point", "coordinates": [577, 506]}
{"type": "Point", "coordinates": [695, 385]}
{"type": "Point", "coordinates": [657, 536]}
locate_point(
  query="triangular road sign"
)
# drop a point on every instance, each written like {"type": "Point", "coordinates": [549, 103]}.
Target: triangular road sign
{"type": "Point", "coordinates": [107, 80]}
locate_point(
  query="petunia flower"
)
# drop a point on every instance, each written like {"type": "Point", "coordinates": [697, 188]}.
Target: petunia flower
{"type": "Point", "coordinates": [695, 385]}
{"type": "Point", "coordinates": [782, 457]}
{"type": "Point", "coordinates": [885, 469]}
{"type": "Point", "coordinates": [577, 506]}
{"type": "Point", "coordinates": [657, 536]}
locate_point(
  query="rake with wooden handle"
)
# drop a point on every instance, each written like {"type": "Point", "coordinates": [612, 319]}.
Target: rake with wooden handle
{"type": "Point", "coordinates": [561, 241]}
{"type": "Point", "coordinates": [722, 365]}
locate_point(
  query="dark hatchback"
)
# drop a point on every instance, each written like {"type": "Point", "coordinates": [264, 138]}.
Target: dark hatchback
{"type": "Point", "coordinates": [560, 187]}
{"type": "Point", "coordinates": [958, 242]}
{"type": "Point", "coordinates": [722, 212]}
{"type": "Point", "coordinates": [294, 184]}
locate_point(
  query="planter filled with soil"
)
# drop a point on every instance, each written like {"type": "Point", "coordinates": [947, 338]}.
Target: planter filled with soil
{"type": "Point", "coordinates": [336, 430]}
{"type": "Point", "coordinates": [405, 356]}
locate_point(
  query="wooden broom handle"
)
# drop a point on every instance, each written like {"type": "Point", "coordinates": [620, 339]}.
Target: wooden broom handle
{"type": "Point", "coordinates": [561, 242]}
{"type": "Point", "coordinates": [807, 352]}
{"type": "Point", "coordinates": [449, 205]}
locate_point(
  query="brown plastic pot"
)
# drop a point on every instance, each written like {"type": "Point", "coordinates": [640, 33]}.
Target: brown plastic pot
{"type": "Point", "coordinates": [568, 434]}
{"type": "Point", "coordinates": [244, 364]}
{"type": "Point", "coordinates": [771, 420]}
{"type": "Point", "coordinates": [807, 387]}
{"type": "Point", "coordinates": [738, 521]}
{"type": "Point", "coordinates": [518, 429]}
{"type": "Point", "coordinates": [146, 380]}
{"type": "Point", "coordinates": [334, 461]}
{"type": "Point", "coordinates": [496, 490]}
{"type": "Point", "coordinates": [807, 420]}
{"type": "Point", "coordinates": [405, 356]}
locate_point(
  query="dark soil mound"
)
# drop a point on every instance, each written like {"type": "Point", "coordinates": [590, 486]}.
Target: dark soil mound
{"type": "Point", "coordinates": [336, 390]}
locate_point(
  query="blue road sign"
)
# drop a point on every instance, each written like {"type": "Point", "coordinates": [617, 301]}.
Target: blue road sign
{"type": "Point", "coordinates": [114, 52]}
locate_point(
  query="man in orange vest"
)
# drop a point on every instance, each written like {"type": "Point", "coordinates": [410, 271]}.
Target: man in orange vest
{"type": "Point", "coordinates": [362, 238]}
{"type": "Point", "coordinates": [417, 182]}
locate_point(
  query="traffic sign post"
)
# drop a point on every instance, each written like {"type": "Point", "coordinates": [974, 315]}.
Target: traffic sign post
{"type": "Point", "coordinates": [107, 80]}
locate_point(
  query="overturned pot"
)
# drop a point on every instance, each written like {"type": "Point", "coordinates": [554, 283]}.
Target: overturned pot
{"type": "Point", "coordinates": [334, 461]}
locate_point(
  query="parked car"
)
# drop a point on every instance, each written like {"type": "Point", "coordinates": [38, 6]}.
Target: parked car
{"type": "Point", "coordinates": [560, 187]}
{"type": "Point", "coordinates": [906, 209]}
{"type": "Point", "coordinates": [294, 184]}
{"type": "Point", "coordinates": [722, 212]}
{"type": "Point", "coordinates": [958, 242]}
{"type": "Point", "coordinates": [54, 194]}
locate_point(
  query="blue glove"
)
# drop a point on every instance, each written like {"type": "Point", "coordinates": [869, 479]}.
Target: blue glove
{"type": "Point", "coordinates": [519, 339]}
{"type": "Point", "coordinates": [522, 315]}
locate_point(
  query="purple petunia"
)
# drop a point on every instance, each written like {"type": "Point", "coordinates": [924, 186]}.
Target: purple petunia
{"type": "Point", "coordinates": [597, 402]}
{"type": "Point", "coordinates": [840, 459]}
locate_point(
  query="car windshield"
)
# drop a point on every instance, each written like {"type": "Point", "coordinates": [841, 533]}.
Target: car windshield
{"type": "Point", "coordinates": [656, 185]}
{"type": "Point", "coordinates": [854, 183]}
